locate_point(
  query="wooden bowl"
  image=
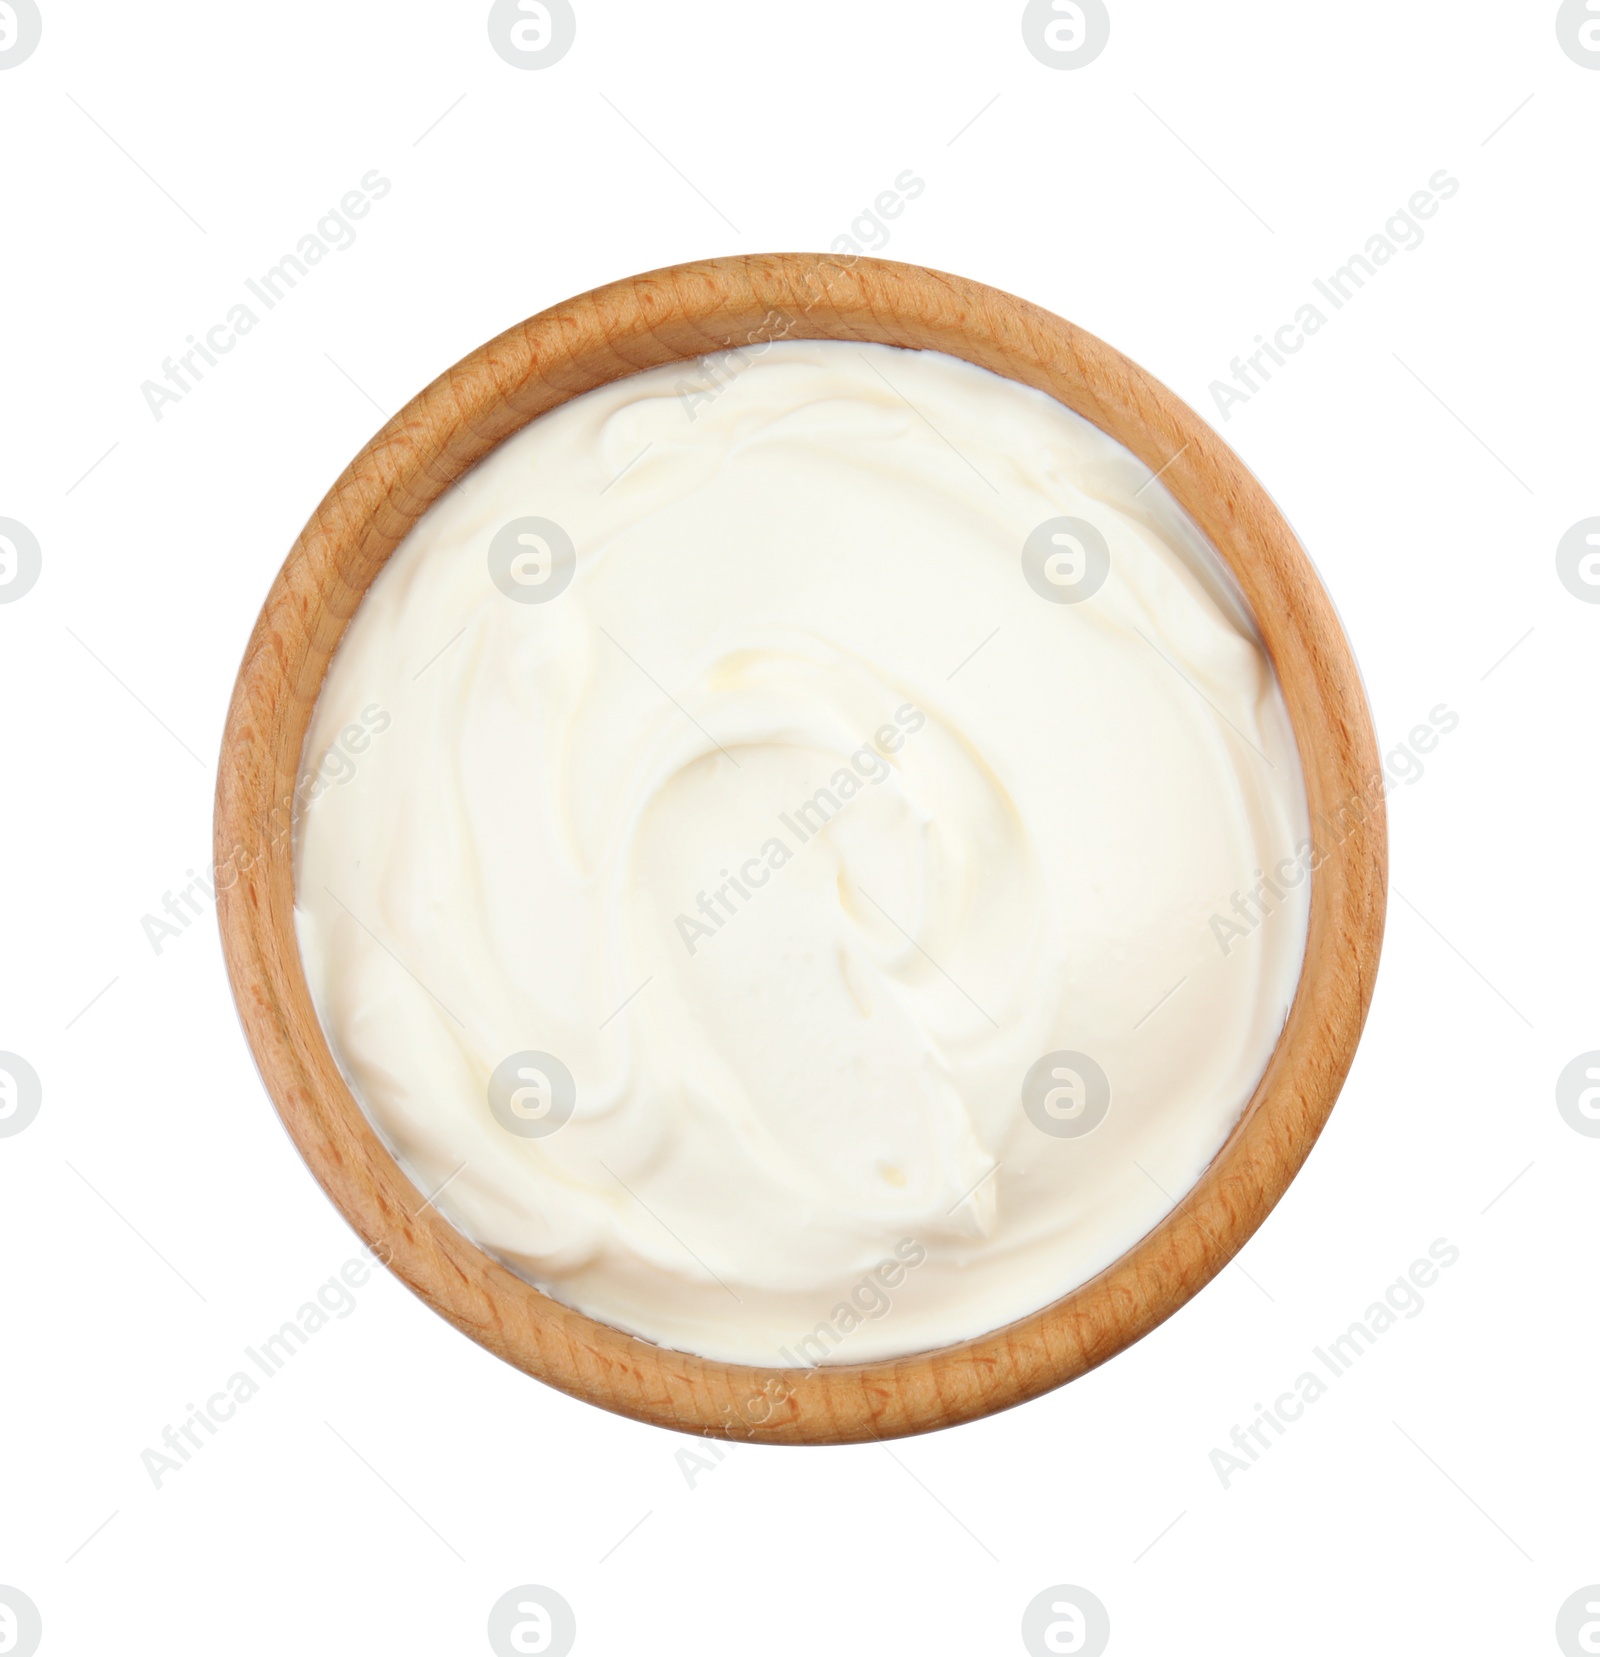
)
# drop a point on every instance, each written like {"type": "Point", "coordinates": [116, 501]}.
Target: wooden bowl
{"type": "Point", "coordinates": [663, 317]}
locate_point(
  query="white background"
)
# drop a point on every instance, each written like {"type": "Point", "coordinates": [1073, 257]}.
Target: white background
{"type": "Point", "coordinates": [1431, 446]}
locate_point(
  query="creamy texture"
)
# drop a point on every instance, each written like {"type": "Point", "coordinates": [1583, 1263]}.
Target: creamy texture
{"type": "Point", "coordinates": [798, 1039]}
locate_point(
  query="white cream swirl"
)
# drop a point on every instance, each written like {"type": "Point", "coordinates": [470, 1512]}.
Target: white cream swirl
{"type": "Point", "coordinates": [796, 824]}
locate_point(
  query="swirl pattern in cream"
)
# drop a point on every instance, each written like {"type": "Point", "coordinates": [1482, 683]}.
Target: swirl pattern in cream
{"type": "Point", "coordinates": [793, 935]}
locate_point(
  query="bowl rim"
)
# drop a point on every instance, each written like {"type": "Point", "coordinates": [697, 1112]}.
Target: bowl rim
{"type": "Point", "coordinates": [677, 314]}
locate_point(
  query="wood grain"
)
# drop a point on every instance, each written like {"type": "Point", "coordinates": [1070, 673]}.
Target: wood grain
{"type": "Point", "coordinates": [666, 316]}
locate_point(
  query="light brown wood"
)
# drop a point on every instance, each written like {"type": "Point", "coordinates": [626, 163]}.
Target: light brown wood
{"type": "Point", "coordinates": [661, 317]}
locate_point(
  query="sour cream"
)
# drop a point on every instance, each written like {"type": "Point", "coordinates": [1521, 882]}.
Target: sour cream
{"type": "Point", "coordinates": [837, 866]}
